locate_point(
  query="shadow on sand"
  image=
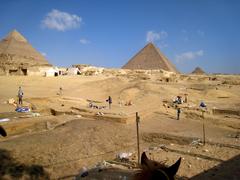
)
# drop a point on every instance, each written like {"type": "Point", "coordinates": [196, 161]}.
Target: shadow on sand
{"type": "Point", "coordinates": [11, 169]}
{"type": "Point", "coordinates": [229, 169]}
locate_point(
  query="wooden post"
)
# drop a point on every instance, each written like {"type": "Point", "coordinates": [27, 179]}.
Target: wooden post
{"type": "Point", "coordinates": [203, 128]}
{"type": "Point", "coordinates": [138, 148]}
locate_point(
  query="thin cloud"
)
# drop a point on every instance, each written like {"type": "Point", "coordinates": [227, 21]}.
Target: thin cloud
{"type": "Point", "coordinates": [44, 54]}
{"type": "Point", "coordinates": [186, 56]}
{"type": "Point", "coordinates": [84, 41]}
{"type": "Point", "coordinates": [61, 21]}
{"type": "Point", "coordinates": [156, 36]}
{"type": "Point", "coordinates": [163, 44]}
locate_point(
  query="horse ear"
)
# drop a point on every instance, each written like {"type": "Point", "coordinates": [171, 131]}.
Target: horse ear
{"type": "Point", "coordinates": [144, 159]}
{"type": "Point", "coordinates": [3, 132]}
{"type": "Point", "coordinates": [172, 170]}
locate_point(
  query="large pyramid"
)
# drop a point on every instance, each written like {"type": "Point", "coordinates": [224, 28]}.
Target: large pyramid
{"type": "Point", "coordinates": [150, 57]}
{"type": "Point", "coordinates": [17, 53]}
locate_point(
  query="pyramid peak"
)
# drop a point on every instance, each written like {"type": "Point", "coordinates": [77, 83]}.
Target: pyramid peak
{"type": "Point", "coordinates": [16, 36]}
{"type": "Point", "coordinates": [198, 70]}
{"type": "Point", "coordinates": [150, 44]}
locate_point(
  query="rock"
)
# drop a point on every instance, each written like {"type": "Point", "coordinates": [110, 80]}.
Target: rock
{"type": "Point", "coordinates": [84, 172]}
{"type": "Point", "coordinates": [11, 101]}
{"type": "Point", "coordinates": [153, 148]}
{"type": "Point", "coordinates": [35, 114]}
{"type": "Point", "coordinates": [162, 145]}
{"type": "Point", "coordinates": [196, 142]}
{"type": "Point", "coordinates": [124, 155]}
{"type": "Point", "coordinates": [99, 113]}
{"type": "Point", "coordinates": [48, 125]}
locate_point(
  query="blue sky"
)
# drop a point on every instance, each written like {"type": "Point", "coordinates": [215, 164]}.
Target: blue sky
{"type": "Point", "coordinates": [108, 33]}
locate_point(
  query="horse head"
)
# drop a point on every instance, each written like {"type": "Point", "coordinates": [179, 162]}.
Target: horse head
{"type": "Point", "coordinates": [154, 170]}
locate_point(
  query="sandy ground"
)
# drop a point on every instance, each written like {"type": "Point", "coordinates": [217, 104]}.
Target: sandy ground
{"type": "Point", "coordinates": [68, 135]}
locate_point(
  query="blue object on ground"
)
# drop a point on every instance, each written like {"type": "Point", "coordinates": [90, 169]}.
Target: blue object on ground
{"type": "Point", "coordinates": [22, 109]}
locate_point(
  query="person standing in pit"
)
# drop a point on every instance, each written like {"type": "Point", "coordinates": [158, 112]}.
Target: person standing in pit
{"type": "Point", "coordinates": [20, 96]}
{"type": "Point", "coordinates": [109, 100]}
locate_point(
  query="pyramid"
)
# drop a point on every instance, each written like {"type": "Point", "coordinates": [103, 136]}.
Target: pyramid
{"type": "Point", "coordinates": [150, 57]}
{"type": "Point", "coordinates": [198, 70]}
{"type": "Point", "coordinates": [15, 51]}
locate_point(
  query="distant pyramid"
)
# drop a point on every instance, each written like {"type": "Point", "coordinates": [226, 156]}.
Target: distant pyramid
{"type": "Point", "coordinates": [15, 50]}
{"type": "Point", "coordinates": [198, 70]}
{"type": "Point", "coordinates": [150, 57]}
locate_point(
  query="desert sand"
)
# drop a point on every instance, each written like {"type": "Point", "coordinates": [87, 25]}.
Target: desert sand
{"type": "Point", "coordinates": [62, 134]}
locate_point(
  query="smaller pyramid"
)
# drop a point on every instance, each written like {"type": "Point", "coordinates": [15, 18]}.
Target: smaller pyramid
{"type": "Point", "coordinates": [198, 70]}
{"type": "Point", "coordinates": [150, 58]}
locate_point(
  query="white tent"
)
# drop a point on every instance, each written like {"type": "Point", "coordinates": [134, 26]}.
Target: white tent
{"type": "Point", "coordinates": [51, 72]}
{"type": "Point", "coordinates": [73, 71]}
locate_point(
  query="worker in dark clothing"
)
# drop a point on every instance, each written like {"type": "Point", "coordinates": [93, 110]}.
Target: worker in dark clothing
{"type": "Point", "coordinates": [178, 113]}
{"type": "Point", "coordinates": [186, 98]}
{"type": "Point", "coordinates": [109, 100]}
{"type": "Point", "coordinates": [20, 96]}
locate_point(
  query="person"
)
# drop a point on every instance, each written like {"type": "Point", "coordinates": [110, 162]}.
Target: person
{"type": "Point", "coordinates": [186, 98]}
{"type": "Point", "coordinates": [178, 113]}
{"type": "Point", "coordinates": [20, 95]}
{"type": "Point", "coordinates": [60, 91]}
{"type": "Point", "coordinates": [109, 100]}
{"type": "Point", "coordinates": [178, 100]}
{"type": "Point", "coordinates": [203, 105]}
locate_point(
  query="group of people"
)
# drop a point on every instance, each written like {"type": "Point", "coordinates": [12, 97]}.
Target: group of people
{"type": "Point", "coordinates": [20, 97]}
{"type": "Point", "coordinates": [202, 105]}
{"type": "Point", "coordinates": [178, 101]}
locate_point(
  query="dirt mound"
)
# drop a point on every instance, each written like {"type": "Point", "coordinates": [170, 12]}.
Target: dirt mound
{"type": "Point", "coordinates": [219, 93]}
{"type": "Point", "coordinates": [129, 94]}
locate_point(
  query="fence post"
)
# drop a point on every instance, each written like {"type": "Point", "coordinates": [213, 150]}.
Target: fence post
{"type": "Point", "coordinates": [204, 138]}
{"type": "Point", "coordinates": [137, 125]}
